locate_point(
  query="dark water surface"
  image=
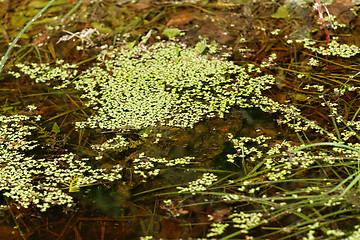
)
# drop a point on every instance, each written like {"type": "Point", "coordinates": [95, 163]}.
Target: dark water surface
{"type": "Point", "coordinates": [134, 207]}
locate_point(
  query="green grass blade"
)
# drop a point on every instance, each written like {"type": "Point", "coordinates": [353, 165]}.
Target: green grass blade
{"type": "Point", "coordinates": [21, 33]}
{"type": "Point", "coordinates": [339, 145]}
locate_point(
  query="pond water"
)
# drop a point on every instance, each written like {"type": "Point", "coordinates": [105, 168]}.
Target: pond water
{"type": "Point", "coordinates": [179, 119]}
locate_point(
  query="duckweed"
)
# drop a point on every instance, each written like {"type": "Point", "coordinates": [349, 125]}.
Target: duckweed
{"type": "Point", "coordinates": [169, 84]}
{"type": "Point", "coordinates": [164, 84]}
{"type": "Point", "coordinates": [43, 182]}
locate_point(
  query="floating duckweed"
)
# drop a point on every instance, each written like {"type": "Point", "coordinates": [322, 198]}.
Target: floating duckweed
{"type": "Point", "coordinates": [334, 23]}
{"type": "Point", "coordinates": [313, 62]}
{"type": "Point", "coordinates": [217, 229]}
{"type": "Point", "coordinates": [275, 32]}
{"type": "Point", "coordinates": [169, 85]}
{"type": "Point", "coordinates": [164, 84]}
{"type": "Point", "coordinates": [43, 182]}
{"type": "Point", "coordinates": [199, 185]}
{"type": "Point", "coordinates": [118, 143]}
{"type": "Point", "coordinates": [148, 166]}
{"type": "Point", "coordinates": [319, 88]}
{"type": "Point", "coordinates": [270, 60]}
{"type": "Point", "coordinates": [300, 76]}
{"type": "Point", "coordinates": [355, 234]}
{"type": "Point", "coordinates": [43, 73]}
{"type": "Point", "coordinates": [146, 238]}
{"type": "Point", "coordinates": [336, 233]}
{"type": "Point", "coordinates": [243, 151]}
{"type": "Point", "coordinates": [332, 49]}
{"type": "Point", "coordinates": [246, 221]}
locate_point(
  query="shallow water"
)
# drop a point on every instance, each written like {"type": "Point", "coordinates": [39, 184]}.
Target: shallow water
{"type": "Point", "coordinates": [134, 206]}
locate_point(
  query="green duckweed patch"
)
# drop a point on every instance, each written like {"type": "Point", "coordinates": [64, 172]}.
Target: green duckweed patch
{"type": "Point", "coordinates": [165, 84]}
{"type": "Point", "coordinates": [162, 84]}
{"type": "Point", "coordinates": [43, 182]}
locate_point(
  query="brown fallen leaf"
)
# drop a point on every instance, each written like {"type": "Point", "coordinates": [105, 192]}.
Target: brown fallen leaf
{"type": "Point", "coordinates": [141, 4]}
{"type": "Point", "coordinates": [171, 229]}
{"type": "Point", "coordinates": [181, 19]}
{"type": "Point", "coordinates": [342, 10]}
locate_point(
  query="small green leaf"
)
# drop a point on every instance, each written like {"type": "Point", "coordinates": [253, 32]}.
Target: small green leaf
{"type": "Point", "coordinates": [5, 109]}
{"type": "Point", "coordinates": [55, 128]}
{"type": "Point", "coordinates": [201, 46]}
{"type": "Point", "coordinates": [131, 45]}
{"type": "Point", "coordinates": [171, 32]}
{"type": "Point", "coordinates": [282, 12]}
{"type": "Point", "coordinates": [145, 38]}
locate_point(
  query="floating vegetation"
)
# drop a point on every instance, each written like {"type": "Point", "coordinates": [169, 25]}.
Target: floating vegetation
{"type": "Point", "coordinates": [43, 182]}
{"type": "Point", "coordinates": [163, 84]}
{"type": "Point", "coordinates": [148, 166]}
{"type": "Point", "coordinates": [332, 49]}
{"type": "Point", "coordinates": [170, 131]}
{"type": "Point", "coordinates": [199, 185]}
{"type": "Point", "coordinates": [137, 88]}
{"type": "Point", "coordinates": [140, 88]}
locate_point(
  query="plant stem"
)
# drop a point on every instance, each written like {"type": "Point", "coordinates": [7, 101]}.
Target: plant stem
{"type": "Point", "coordinates": [21, 33]}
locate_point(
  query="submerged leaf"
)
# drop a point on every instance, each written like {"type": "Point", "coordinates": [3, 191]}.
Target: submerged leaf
{"type": "Point", "coordinates": [55, 128]}
{"type": "Point", "coordinates": [282, 12]}
{"type": "Point", "coordinates": [171, 32]}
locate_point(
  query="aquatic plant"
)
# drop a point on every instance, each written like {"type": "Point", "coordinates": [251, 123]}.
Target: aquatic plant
{"type": "Point", "coordinates": [4, 58]}
{"type": "Point", "coordinates": [332, 49]}
{"type": "Point", "coordinates": [163, 84]}
{"type": "Point", "coordinates": [142, 87]}
{"type": "Point", "coordinates": [199, 185]}
{"type": "Point", "coordinates": [132, 89]}
{"type": "Point", "coordinates": [324, 172]}
{"type": "Point", "coordinates": [44, 182]}
{"type": "Point", "coordinates": [149, 166]}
